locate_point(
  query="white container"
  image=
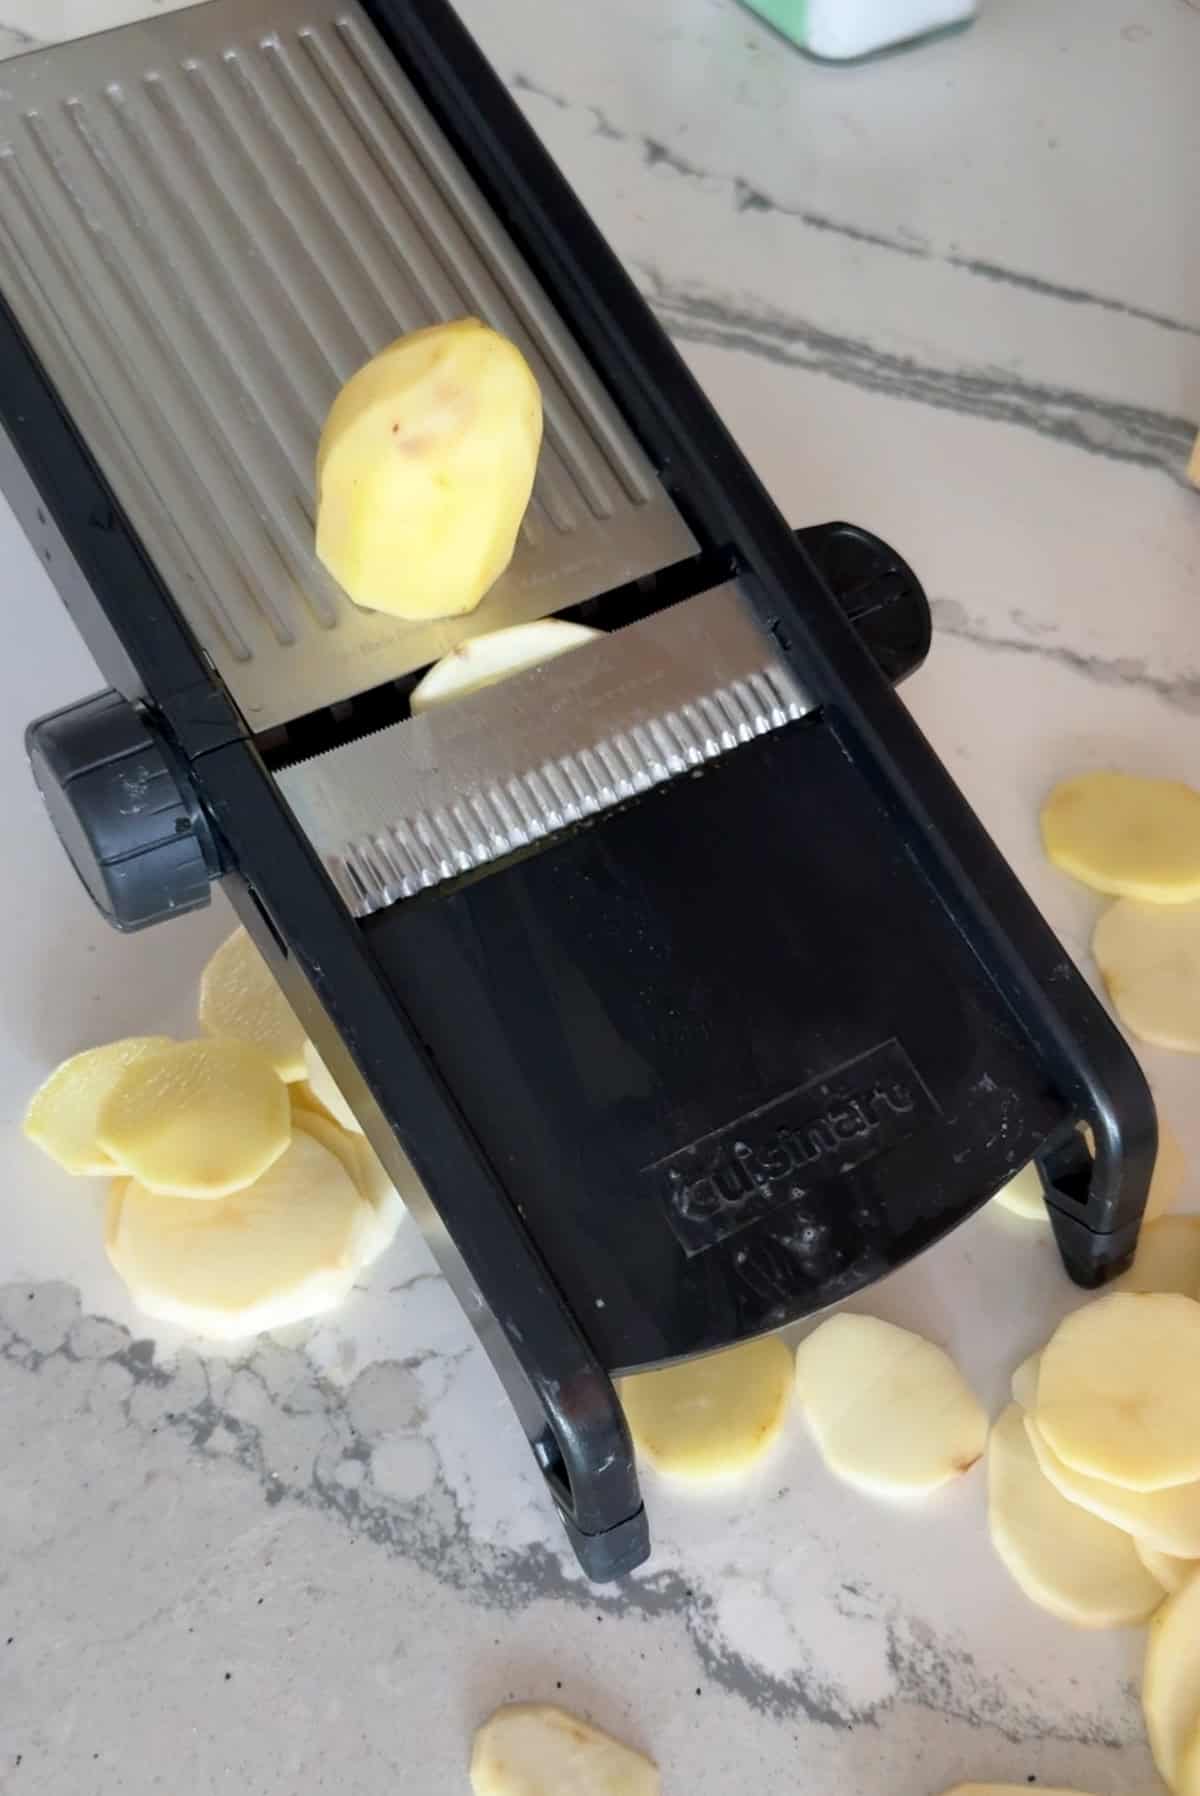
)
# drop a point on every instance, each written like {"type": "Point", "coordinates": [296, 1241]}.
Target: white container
{"type": "Point", "coordinates": [843, 30]}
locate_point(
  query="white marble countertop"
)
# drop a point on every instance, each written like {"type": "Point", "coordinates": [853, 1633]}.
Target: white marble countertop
{"type": "Point", "coordinates": [954, 296]}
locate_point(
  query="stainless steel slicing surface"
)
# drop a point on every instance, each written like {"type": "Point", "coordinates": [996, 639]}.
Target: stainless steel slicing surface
{"type": "Point", "coordinates": [456, 787]}
{"type": "Point", "coordinates": [207, 223]}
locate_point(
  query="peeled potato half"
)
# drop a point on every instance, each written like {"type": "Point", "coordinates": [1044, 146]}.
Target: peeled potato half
{"type": "Point", "coordinates": [891, 1412]}
{"type": "Point", "coordinates": [533, 1749]}
{"type": "Point", "coordinates": [241, 1001]}
{"type": "Point", "coordinates": [1119, 1390]}
{"type": "Point", "coordinates": [1130, 837]}
{"type": "Point", "coordinates": [425, 468]}
{"type": "Point", "coordinates": [1171, 1679]}
{"type": "Point", "coordinates": [63, 1113]}
{"type": "Point", "coordinates": [1067, 1561]}
{"type": "Point", "coordinates": [486, 660]}
{"type": "Point", "coordinates": [712, 1417]}
{"type": "Point", "coordinates": [198, 1119]}
{"type": "Point", "coordinates": [284, 1249]}
{"type": "Point", "coordinates": [1149, 956]}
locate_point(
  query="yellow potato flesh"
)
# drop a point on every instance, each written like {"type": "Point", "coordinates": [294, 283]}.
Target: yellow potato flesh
{"type": "Point", "coordinates": [891, 1412]}
{"type": "Point", "coordinates": [1129, 837]}
{"type": "Point", "coordinates": [1149, 956]}
{"type": "Point", "coordinates": [1066, 1561]}
{"type": "Point", "coordinates": [486, 660]}
{"type": "Point", "coordinates": [64, 1111]}
{"type": "Point", "coordinates": [1024, 1382]}
{"type": "Point", "coordinates": [1189, 1766]}
{"type": "Point", "coordinates": [1171, 1678]}
{"type": "Point", "coordinates": [1119, 1390]}
{"type": "Point", "coordinates": [241, 1001]}
{"type": "Point", "coordinates": [1023, 1195]}
{"type": "Point", "coordinates": [710, 1418]}
{"type": "Point", "coordinates": [359, 1159]}
{"type": "Point", "coordinates": [1171, 1573]}
{"type": "Point", "coordinates": [323, 1090]}
{"type": "Point", "coordinates": [1167, 1257]}
{"type": "Point", "coordinates": [1167, 1520]}
{"type": "Point", "coordinates": [200, 1119]}
{"type": "Point", "coordinates": [534, 1749]}
{"type": "Point", "coordinates": [425, 469]}
{"type": "Point", "coordinates": [284, 1249]}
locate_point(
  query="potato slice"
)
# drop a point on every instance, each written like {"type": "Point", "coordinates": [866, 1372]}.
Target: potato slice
{"type": "Point", "coordinates": [1171, 1679]}
{"type": "Point", "coordinates": [241, 1001]}
{"type": "Point", "coordinates": [890, 1411]}
{"type": "Point", "coordinates": [1119, 1390]}
{"type": "Point", "coordinates": [284, 1249]}
{"type": "Point", "coordinates": [360, 1160]}
{"type": "Point", "coordinates": [486, 660]}
{"type": "Point", "coordinates": [425, 468]}
{"type": "Point", "coordinates": [1025, 1382]}
{"type": "Point", "coordinates": [710, 1418]}
{"type": "Point", "coordinates": [1129, 837]}
{"type": "Point", "coordinates": [1189, 1766]}
{"type": "Point", "coordinates": [534, 1749]}
{"type": "Point", "coordinates": [62, 1114]}
{"type": "Point", "coordinates": [325, 1092]}
{"type": "Point", "coordinates": [1171, 1573]}
{"type": "Point", "coordinates": [1167, 1257]}
{"type": "Point", "coordinates": [1071, 1563]}
{"type": "Point", "coordinates": [1023, 1195]}
{"type": "Point", "coordinates": [1149, 956]}
{"type": "Point", "coordinates": [197, 1119]}
{"type": "Point", "coordinates": [1168, 1520]}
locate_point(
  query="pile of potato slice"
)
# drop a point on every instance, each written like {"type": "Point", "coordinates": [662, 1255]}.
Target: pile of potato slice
{"type": "Point", "coordinates": [243, 1194]}
{"type": "Point", "coordinates": [1138, 841]}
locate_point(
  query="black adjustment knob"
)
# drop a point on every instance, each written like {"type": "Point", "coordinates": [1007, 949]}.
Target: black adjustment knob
{"type": "Point", "coordinates": [124, 811]}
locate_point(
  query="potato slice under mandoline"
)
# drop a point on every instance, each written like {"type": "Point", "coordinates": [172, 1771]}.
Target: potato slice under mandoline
{"type": "Point", "coordinates": [360, 1160]}
{"type": "Point", "coordinates": [486, 660]}
{"type": "Point", "coordinates": [1167, 1257]}
{"type": "Point", "coordinates": [1129, 837]}
{"type": "Point", "coordinates": [1167, 1520]}
{"type": "Point", "coordinates": [1119, 1390]}
{"type": "Point", "coordinates": [1149, 955]}
{"type": "Point", "coordinates": [63, 1112]}
{"type": "Point", "coordinates": [891, 1412]}
{"type": "Point", "coordinates": [1023, 1195]}
{"type": "Point", "coordinates": [1172, 1573]}
{"type": "Point", "coordinates": [1071, 1563]}
{"type": "Point", "coordinates": [1171, 1679]}
{"type": "Point", "coordinates": [280, 1251]}
{"type": "Point", "coordinates": [321, 1086]}
{"type": "Point", "coordinates": [714, 1417]}
{"type": "Point", "coordinates": [533, 1749]}
{"type": "Point", "coordinates": [199, 1119]}
{"type": "Point", "coordinates": [241, 1000]}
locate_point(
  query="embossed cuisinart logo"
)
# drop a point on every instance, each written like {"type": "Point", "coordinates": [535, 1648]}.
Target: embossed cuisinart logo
{"type": "Point", "coordinates": [803, 1139]}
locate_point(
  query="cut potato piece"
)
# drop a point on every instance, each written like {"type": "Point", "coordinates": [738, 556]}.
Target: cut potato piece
{"type": "Point", "coordinates": [360, 1160]}
{"type": "Point", "coordinates": [425, 468]}
{"type": "Point", "coordinates": [197, 1119]}
{"type": "Point", "coordinates": [1167, 1520]}
{"type": "Point", "coordinates": [1167, 1258]}
{"type": "Point", "coordinates": [1171, 1679]}
{"type": "Point", "coordinates": [1025, 1382]}
{"type": "Point", "coordinates": [533, 1749]}
{"type": "Point", "coordinates": [1119, 1390]}
{"type": "Point", "coordinates": [486, 660]}
{"type": "Point", "coordinates": [1149, 955]}
{"type": "Point", "coordinates": [1129, 837]}
{"type": "Point", "coordinates": [63, 1112]}
{"type": "Point", "coordinates": [890, 1411]}
{"type": "Point", "coordinates": [1071, 1563]}
{"type": "Point", "coordinates": [325, 1092]}
{"type": "Point", "coordinates": [240, 1000]}
{"type": "Point", "coordinates": [712, 1417]}
{"type": "Point", "coordinates": [284, 1249]}
{"type": "Point", "coordinates": [1172, 1573]}
{"type": "Point", "coordinates": [1170, 1173]}
{"type": "Point", "coordinates": [1023, 1196]}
